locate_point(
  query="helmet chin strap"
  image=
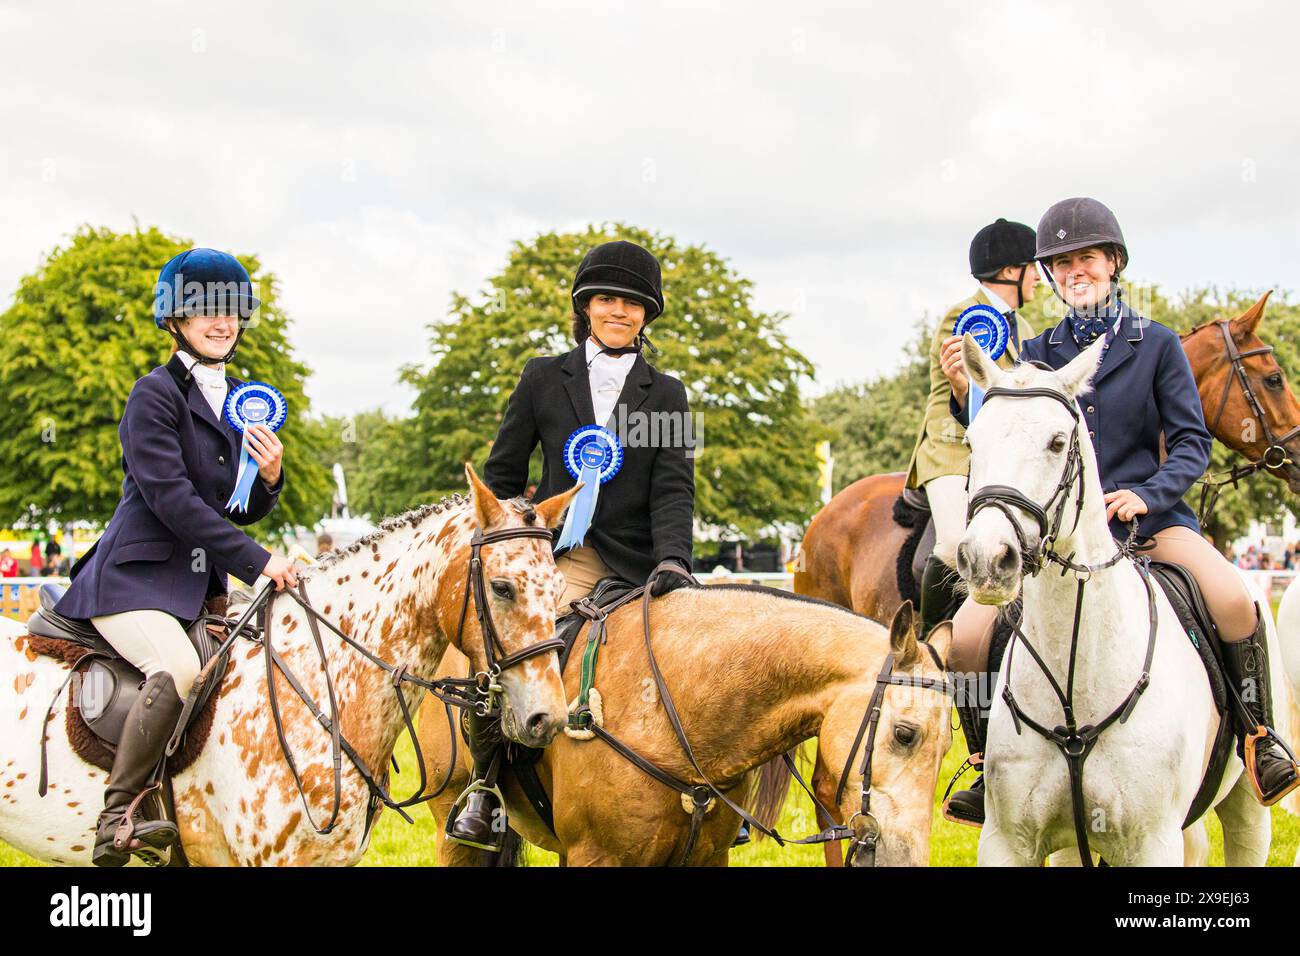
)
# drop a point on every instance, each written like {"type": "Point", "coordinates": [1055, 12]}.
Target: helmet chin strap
{"type": "Point", "coordinates": [183, 344]}
{"type": "Point", "coordinates": [1018, 282]}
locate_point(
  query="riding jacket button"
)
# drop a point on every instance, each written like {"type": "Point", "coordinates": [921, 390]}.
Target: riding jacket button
{"type": "Point", "coordinates": [1092, 434]}
{"type": "Point", "coordinates": [1091, 409]}
{"type": "Point", "coordinates": [221, 459]}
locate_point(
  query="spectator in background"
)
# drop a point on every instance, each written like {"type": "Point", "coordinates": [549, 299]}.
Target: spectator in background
{"type": "Point", "coordinates": [53, 556]}
{"type": "Point", "coordinates": [8, 565]}
{"type": "Point", "coordinates": [324, 544]}
{"type": "Point", "coordinates": [38, 562]}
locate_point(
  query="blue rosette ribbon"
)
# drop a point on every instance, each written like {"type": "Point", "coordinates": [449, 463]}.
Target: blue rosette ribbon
{"type": "Point", "coordinates": [990, 330]}
{"type": "Point", "coordinates": [593, 456]}
{"type": "Point", "coordinates": [253, 403]}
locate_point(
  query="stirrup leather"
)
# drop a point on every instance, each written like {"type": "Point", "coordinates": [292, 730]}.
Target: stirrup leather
{"type": "Point", "coordinates": [973, 762]}
{"type": "Point", "coordinates": [1261, 733]}
{"type": "Point", "coordinates": [453, 814]}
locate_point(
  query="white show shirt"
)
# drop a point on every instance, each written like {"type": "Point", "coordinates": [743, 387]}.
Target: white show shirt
{"type": "Point", "coordinates": [606, 374]}
{"type": "Point", "coordinates": [211, 380]}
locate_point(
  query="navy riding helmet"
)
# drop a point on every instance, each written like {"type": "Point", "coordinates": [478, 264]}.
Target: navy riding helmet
{"type": "Point", "coordinates": [203, 282]}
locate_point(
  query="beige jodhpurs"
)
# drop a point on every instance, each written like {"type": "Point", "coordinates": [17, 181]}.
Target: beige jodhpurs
{"type": "Point", "coordinates": [153, 641]}
{"type": "Point", "coordinates": [582, 568]}
{"type": "Point", "coordinates": [947, 495]}
{"type": "Point", "coordinates": [1225, 595]}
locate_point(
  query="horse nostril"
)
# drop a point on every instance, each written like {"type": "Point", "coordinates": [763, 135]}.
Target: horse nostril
{"type": "Point", "coordinates": [1008, 559]}
{"type": "Point", "coordinates": [963, 561]}
{"type": "Point", "coordinates": [539, 726]}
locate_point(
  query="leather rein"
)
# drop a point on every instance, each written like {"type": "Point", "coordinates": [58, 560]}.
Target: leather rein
{"type": "Point", "coordinates": [1075, 743]}
{"type": "Point", "coordinates": [702, 794]}
{"type": "Point", "coordinates": [1275, 456]}
{"type": "Point", "coordinates": [480, 691]}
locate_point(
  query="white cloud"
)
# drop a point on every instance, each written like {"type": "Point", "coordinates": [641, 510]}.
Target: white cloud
{"type": "Point", "coordinates": [380, 156]}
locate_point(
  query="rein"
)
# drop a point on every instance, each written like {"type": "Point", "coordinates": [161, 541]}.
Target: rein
{"type": "Point", "coordinates": [1275, 456]}
{"type": "Point", "coordinates": [701, 794]}
{"type": "Point", "coordinates": [1074, 742]}
{"type": "Point", "coordinates": [479, 691]}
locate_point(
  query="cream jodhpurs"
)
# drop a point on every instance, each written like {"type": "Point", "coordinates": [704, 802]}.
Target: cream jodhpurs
{"type": "Point", "coordinates": [947, 495]}
{"type": "Point", "coordinates": [582, 568]}
{"type": "Point", "coordinates": [153, 641]}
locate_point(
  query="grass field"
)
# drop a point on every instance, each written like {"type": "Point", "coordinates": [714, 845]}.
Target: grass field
{"type": "Point", "coordinates": [395, 843]}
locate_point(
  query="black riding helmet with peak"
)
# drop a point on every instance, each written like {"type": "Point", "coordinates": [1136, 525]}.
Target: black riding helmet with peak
{"type": "Point", "coordinates": [998, 245]}
{"type": "Point", "coordinates": [1080, 223]}
{"type": "Point", "coordinates": [617, 268]}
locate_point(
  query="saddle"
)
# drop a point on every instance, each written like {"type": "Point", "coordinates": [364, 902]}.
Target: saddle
{"type": "Point", "coordinates": [99, 702]}
{"type": "Point", "coordinates": [912, 511]}
{"type": "Point", "coordinates": [1185, 596]}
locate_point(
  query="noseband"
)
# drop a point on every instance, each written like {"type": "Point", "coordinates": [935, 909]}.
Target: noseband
{"type": "Point", "coordinates": [492, 646]}
{"type": "Point", "coordinates": [1274, 457]}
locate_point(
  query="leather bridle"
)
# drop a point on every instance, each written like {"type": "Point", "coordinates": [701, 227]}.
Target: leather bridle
{"type": "Point", "coordinates": [1074, 742]}
{"type": "Point", "coordinates": [1274, 457]}
{"type": "Point", "coordinates": [479, 691]}
{"type": "Point", "coordinates": [702, 794]}
{"type": "Point", "coordinates": [868, 844]}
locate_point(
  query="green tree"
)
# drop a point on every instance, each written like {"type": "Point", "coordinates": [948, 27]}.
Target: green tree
{"type": "Point", "coordinates": [758, 463]}
{"type": "Point", "coordinates": [369, 446]}
{"type": "Point", "coordinates": [78, 335]}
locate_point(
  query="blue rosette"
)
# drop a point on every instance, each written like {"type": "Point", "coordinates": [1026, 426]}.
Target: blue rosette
{"type": "Point", "coordinates": [593, 456]}
{"type": "Point", "coordinates": [991, 332]}
{"type": "Point", "coordinates": [253, 403]}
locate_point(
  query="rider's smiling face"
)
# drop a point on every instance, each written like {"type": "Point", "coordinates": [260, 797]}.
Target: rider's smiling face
{"type": "Point", "coordinates": [1084, 276]}
{"type": "Point", "coordinates": [615, 320]}
{"type": "Point", "coordinates": [210, 335]}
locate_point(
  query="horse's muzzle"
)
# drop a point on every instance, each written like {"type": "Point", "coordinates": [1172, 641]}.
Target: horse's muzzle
{"type": "Point", "coordinates": [992, 573]}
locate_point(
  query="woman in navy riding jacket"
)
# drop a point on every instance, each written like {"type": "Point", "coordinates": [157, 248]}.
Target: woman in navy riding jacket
{"type": "Point", "coordinates": [170, 543]}
{"type": "Point", "coordinates": [1143, 389]}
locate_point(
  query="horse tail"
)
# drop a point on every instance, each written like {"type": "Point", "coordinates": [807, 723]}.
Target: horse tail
{"type": "Point", "coordinates": [770, 791]}
{"type": "Point", "coordinates": [512, 852]}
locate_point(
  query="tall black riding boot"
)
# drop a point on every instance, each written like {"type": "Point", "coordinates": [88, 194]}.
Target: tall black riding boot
{"type": "Point", "coordinates": [474, 819]}
{"type": "Point", "coordinates": [1269, 761]}
{"type": "Point", "coordinates": [967, 806]}
{"type": "Point", "coordinates": [939, 597]}
{"type": "Point", "coordinates": [127, 826]}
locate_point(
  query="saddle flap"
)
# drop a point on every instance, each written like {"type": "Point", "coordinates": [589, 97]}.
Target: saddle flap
{"type": "Point", "coordinates": [1184, 595]}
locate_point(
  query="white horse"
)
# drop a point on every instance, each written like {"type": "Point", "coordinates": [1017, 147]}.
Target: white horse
{"type": "Point", "coordinates": [399, 594]}
{"type": "Point", "coordinates": [1140, 778]}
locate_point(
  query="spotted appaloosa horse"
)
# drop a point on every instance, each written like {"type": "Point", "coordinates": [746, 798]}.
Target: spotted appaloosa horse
{"type": "Point", "coordinates": [398, 593]}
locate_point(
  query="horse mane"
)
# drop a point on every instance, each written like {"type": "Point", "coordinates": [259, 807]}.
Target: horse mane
{"type": "Point", "coordinates": [783, 595]}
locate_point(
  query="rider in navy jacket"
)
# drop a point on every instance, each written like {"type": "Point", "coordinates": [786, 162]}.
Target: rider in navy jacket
{"type": "Point", "coordinates": [1144, 387]}
{"type": "Point", "coordinates": [170, 543]}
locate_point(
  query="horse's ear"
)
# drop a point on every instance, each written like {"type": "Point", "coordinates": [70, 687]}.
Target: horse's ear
{"type": "Point", "coordinates": [983, 371]}
{"type": "Point", "coordinates": [1243, 326]}
{"type": "Point", "coordinates": [552, 509]}
{"type": "Point", "coordinates": [902, 637]}
{"type": "Point", "coordinates": [940, 638]}
{"type": "Point", "coordinates": [1077, 376]}
{"type": "Point", "coordinates": [486, 506]}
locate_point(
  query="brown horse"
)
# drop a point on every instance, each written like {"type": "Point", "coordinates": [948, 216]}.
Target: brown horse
{"type": "Point", "coordinates": [849, 554]}
{"type": "Point", "coordinates": [850, 551]}
{"type": "Point", "coordinates": [753, 673]}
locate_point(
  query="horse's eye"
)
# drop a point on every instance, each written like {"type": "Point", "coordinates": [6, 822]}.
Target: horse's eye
{"type": "Point", "coordinates": [1057, 444]}
{"type": "Point", "coordinates": [503, 589]}
{"type": "Point", "coordinates": [1274, 380]}
{"type": "Point", "coordinates": [905, 735]}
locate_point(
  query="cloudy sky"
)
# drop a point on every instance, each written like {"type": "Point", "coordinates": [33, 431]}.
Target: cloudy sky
{"type": "Point", "coordinates": [380, 155]}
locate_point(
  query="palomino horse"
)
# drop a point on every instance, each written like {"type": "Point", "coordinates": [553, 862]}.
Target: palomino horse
{"type": "Point", "coordinates": [753, 672]}
{"type": "Point", "coordinates": [850, 551]}
{"type": "Point", "coordinates": [399, 594]}
{"type": "Point", "coordinates": [1138, 708]}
